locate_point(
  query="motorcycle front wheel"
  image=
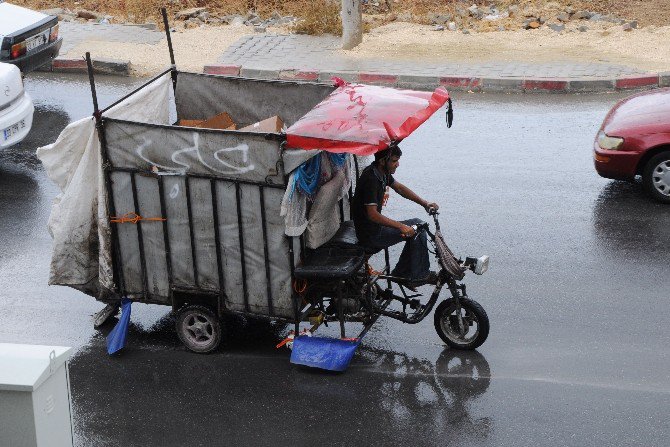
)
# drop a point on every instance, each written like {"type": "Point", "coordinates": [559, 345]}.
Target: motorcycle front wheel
{"type": "Point", "coordinates": [475, 324]}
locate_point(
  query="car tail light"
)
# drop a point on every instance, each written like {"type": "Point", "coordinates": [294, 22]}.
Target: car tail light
{"type": "Point", "coordinates": [18, 50]}
{"type": "Point", "coordinates": [53, 36]}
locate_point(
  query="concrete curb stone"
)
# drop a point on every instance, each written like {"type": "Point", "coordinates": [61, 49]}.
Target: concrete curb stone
{"type": "Point", "coordinates": [629, 82]}
{"type": "Point", "coordinates": [429, 82]}
{"type": "Point", "coordinates": [327, 76]}
{"type": "Point", "coordinates": [259, 74]}
{"type": "Point", "coordinates": [545, 85]}
{"type": "Point", "coordinates": [111, 67]}
{"type": "Point", "coordinates": [220, 69]}
{"type": "Point", "coordinates": [664, 79]}
{"type": "Point", "coordinates": [502, 85]}
{"type": "Point", "coordinates": [78, 65]}
{"type": "Point", "coordinates": [591, 85]}
{"type": "Point", "coordinates": [461, 83]}
{"type": "Point", "coordinates": [299, 75]}
{"type": "Point", "coordinates": [418, 82]}
{"type": "Point", "coordinates": [377, 78]}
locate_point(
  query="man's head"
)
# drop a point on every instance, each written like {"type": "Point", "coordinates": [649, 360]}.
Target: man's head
{"type": "Point", "coordinates": [389, 159]}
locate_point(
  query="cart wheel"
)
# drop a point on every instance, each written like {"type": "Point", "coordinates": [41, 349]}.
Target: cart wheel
{"type": "Point", "coordinates": [475, 324]}
{"type": "Point", "coordinates": [199, 328]}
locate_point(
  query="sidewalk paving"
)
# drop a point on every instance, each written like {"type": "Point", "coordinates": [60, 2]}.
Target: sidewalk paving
{"type": "Point", "coordinates": [317, 58]}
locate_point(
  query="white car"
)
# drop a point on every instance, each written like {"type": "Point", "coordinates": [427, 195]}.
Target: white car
{"type": "Point", "coordinates": [28, 39]}
{"type": "Point", "coordinates": [16, 107]}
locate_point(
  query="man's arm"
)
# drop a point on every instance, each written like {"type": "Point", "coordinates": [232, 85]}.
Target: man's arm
{"type": "Point", "coordinates": [378, 218]}
{"type": "Point", "coordinates": [407, 193]}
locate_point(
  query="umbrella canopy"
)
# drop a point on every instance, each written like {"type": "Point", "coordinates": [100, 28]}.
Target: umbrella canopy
{"type": "Point", "coordinates": [363, 119]}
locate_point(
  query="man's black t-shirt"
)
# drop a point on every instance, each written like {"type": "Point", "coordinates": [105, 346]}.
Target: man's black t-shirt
{"type": "Point", "coordinates": [370, 190]}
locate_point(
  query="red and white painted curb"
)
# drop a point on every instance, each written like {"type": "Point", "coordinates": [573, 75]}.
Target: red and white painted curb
{"type": "Point", "coordinates": [462, 83]}
{"type": "Point", "coordinates": [78, 65]}
{"type": "Point", "coordinates": [456, 83]}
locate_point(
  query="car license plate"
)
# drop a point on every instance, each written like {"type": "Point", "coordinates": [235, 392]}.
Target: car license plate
{"type": "Point", "coordinates": [14, 129]}
{"type": "Point", "coordinates": [37, 41]}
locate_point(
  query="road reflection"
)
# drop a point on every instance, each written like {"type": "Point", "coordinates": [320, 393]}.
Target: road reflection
{"type": "Point", "coordinates": [386, 393]}
{"type": "Point", "coordinates": [435, 395]}
{"type": "Point", "coordinates": [628, 222]}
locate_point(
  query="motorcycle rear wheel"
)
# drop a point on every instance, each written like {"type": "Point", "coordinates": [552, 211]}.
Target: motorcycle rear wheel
{"type": "Point", "coordinates": [476, 324]}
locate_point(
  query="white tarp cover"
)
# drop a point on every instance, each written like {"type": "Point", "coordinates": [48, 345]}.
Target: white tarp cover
{"type": "Point", "coordinates": [79, 223]}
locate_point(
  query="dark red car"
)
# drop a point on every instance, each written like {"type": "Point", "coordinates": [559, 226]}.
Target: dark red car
{"type": "Point", "coordinates": [634, 140]}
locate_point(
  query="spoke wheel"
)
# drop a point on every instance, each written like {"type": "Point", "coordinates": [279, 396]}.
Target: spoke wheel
{"type": "Point", "coordinates": [199, 328]}
{"type": "Point", "coordinates": [464, 328]}
{"type": "Point", "coordinates": [656, 177]}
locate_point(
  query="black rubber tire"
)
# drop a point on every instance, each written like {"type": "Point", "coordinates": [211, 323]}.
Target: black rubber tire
{"type": "Point", "coordinates": [472, 308]}
{"type": "Point", "coordinates": [648, 176]}
{"type": "Point", "coordinates": [199, 328]}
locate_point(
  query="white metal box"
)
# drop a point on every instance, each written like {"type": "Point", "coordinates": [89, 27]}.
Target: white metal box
{"type": "Point", "coordinates": [34, 396]}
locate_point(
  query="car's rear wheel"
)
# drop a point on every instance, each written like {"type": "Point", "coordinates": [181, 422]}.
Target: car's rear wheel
{"type": "Point", "coordinates": [656, 177]}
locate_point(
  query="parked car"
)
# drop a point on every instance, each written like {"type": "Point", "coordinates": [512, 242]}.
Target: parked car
{"type": "Point", "coordinates": [16, 107]}
{"type": "Point", "coordinates": [634, 140]}
{"type": "Point", "coordinates": [28, 39]}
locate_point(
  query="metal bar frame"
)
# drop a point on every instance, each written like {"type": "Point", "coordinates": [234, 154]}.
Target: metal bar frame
{"type": "Point", "coordinates": [267, 136]}
{"type": "Point", "coordinates": [268, 277]}
{"type": "Point", "coordinates": [215, 208]}
{"type": "Point", "coordinates": [200, 176]}
{"type": "Point", "coordinates": [243, 261]}
{"type": "Point", "coordinates": [173, 68]}
{"type": "Point", "coordinates": [140, 237]}
{"type": "Point", "coordinates": [115, 103]}
{"type": "Point", "coordinates": [217, 241]}
{"type": "Point", "coordinates": [109, 169]}
{"type": "Point", "coordinates": [117, 268]}
{"type": "Point", "coordinates": [166, 235]}
{"type": "Point", "coordinates": [191, 230]}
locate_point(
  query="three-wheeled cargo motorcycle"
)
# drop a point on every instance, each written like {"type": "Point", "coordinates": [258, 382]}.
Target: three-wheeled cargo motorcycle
{"type": "Point", "coordinates": [160, 211]}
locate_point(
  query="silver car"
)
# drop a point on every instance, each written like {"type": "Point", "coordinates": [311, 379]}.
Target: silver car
{"type": "Point", "coordinates": [28, 39]}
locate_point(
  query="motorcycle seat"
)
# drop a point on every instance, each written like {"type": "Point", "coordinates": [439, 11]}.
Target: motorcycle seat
{"type": "Point", "coordinates": [331, 263]}
{"type": "Point", "coordinates": [346, 237]}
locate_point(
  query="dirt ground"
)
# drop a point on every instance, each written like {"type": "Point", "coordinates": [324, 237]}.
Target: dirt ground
{"type": "Point", "coordinates": [647, 12]}
{"type": "Point", "coordinates": [647, 48]}
{"type": "Point", "coordinates": [194, 48]}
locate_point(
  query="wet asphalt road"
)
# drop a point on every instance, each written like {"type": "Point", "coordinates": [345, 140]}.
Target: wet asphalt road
{"type": "Point", "coordinates": [577, 295]}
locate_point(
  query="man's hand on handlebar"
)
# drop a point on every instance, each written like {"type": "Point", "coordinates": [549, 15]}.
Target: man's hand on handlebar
{"type": "Point", "coordinates": [431, 207]}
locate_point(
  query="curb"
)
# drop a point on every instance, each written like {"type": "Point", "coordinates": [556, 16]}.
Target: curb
{"type": "Point", "coordinates": [78, 65]}
{"type": "Point", "coordinates": [456, 83]}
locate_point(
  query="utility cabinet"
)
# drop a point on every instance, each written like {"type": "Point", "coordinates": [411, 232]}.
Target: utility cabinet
{"type": "Point", "coordinates": [35, 396]}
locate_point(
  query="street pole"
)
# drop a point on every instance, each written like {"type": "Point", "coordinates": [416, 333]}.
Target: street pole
{"type": "Point", "coordinates": [352, 23]}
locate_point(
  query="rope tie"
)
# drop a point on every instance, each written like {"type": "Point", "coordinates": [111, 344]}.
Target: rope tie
{"type": "Point", "coordinates": [134, 218]}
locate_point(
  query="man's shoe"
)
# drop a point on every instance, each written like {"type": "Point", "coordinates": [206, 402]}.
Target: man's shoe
{"type": "Point", "coordinates": [431, 278]}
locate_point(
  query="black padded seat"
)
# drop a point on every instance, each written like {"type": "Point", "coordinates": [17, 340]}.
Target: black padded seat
{"type": "Point", "coordinates": [331, 263]}
{"type": "Point", "coordinates": [346, 237]}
